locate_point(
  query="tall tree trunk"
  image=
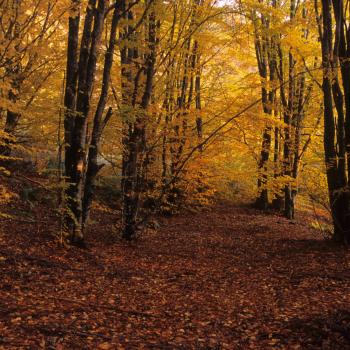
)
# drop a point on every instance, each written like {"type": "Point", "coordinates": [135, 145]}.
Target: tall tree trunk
{"type": "Point", "coordinates": [12, 70]}
{"type": "Point", "coordinates": [288, 118]}
{"type": "Point", "coordinates": [266, 55]}
{"type": "Point", "coordinates": [134, 139]}
{"type": "Point", "coordinates": [335, 166]}
{"type": "Point", "coordinates": [80, 78]}
{"type": "Point", "coordinates": [70, 106]}
{"type": "Point", "coordinates": [99, 123]}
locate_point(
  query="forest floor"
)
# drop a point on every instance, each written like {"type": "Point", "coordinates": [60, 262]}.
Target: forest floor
{"type": "Point", "coordinates": [226, 278]}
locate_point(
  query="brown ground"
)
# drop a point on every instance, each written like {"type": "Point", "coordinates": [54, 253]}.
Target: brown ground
{"type": "Point", "coordinates": [228, 278]}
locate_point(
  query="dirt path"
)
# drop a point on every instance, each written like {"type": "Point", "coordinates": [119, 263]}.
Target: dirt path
{"type": "Point", "coordinates": [226, 279]}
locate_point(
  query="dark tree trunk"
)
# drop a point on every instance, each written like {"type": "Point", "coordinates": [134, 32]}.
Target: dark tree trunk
{"type": "Point", "coordinates": [12, 119]}
{"type": "Point", "coordinates": [262, 201]}
{"type": "Point", "coordinates": [134, 138]}
{"type": "Point", "coordinates": [99, 124]}
{"type": "Point", "coordinates": [288, 117]}
{"type": "Point", "coordinates": [266, 55]}
{"type": "Point", "coordinates": [70, 110]}
{"type": "Point", "coordinates": [80, 78]}
{"type": "Point", "coordinates": [277, 202]}
{"type": "Point", "coordinates": [335, 158]}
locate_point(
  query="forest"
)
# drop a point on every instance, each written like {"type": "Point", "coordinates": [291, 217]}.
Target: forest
{"type": "Point", "coordinates": [175, 174]}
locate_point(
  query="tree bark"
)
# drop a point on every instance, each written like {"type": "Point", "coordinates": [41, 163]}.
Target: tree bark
{"type": "Point", "coordinates": [134, 138]}
{"type": "Point", "coordinates": [337, 177]}
{"type": "Point", "coordinates": [80, 78]}
{"type": "Point", "coordinates": [99, 123]}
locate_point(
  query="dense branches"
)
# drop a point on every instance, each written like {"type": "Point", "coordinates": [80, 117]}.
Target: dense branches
{"type": "Point", "coordinates": [176, 102]}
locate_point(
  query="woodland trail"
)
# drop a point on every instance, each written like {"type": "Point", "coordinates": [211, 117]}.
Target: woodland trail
{"type": "Point", "coordinates": [228, 278]}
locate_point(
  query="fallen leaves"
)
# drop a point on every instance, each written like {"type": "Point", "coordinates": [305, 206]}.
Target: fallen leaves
{"type": "Point", "coordinates": [192, 286]}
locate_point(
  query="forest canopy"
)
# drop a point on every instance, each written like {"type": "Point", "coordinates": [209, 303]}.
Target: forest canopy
{"type": "Point", "coordinates": [166, 105]}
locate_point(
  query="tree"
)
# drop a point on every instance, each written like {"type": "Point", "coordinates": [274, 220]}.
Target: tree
{"type": "Point", "coordinates": [285, 95]}
{"type": "Point", "coordinates": [335, 42]}
{"type": "Point", "coordinates": [24, 31]}
{"type": "Point", "coordinates": [81, 149]}
{"type": "Point", "coordinates": [266, 54]}
{"type": "Point", "coordinates": [138, 59]}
